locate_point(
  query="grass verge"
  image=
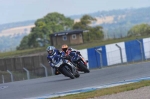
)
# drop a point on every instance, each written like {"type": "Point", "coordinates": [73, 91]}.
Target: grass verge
{"type": "Point", "coordinates": [109, 41]}
{"type": "Point", "coordinates": [106, 91]}
{"type": "Point", "coordinates": [21, 52]}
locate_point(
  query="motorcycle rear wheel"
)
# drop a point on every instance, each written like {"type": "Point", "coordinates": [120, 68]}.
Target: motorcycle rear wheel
{"type": "Point", "coordinates": [83, 68]}
{"type": "Point", "coordinates": [77, 75]}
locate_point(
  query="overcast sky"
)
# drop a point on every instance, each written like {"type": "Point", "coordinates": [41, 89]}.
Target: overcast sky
{"type": "Point", "coordinates": [22, 10]}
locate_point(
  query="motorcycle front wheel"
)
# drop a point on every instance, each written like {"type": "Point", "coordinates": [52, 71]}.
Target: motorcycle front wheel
{"type": "Point", "coordinates": [67, 72]}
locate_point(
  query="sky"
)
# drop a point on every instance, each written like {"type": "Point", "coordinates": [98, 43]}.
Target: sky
{"type": "Point", "coordinates": [23, 10]}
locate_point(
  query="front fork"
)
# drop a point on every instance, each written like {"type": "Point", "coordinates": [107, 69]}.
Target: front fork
{"type": "Point", "coordinates": [73, 68]}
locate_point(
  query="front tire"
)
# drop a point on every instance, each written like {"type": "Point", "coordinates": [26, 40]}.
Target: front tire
{"type": "Point", "coordinates": [67, 72]}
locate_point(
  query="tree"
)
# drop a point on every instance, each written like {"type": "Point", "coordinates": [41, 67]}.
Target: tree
{"type": "Point", "coordinates": [85, 24]}
{"type": "Point", "coordinates": [86, 20]}
{"type": "Point", "coordinates": [24, 43]}
{"type": "Point", "coordinates": [96, 33]}
{"type": "Point", "coordinates": [139, 30]}
{"type": "Point", "coordinates": [51, 23]}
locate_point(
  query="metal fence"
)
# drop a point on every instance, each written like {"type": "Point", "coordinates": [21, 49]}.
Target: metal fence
{"type": "Point", "coordinates": [22, 68]}
{"type": "Point", "coordinates": [119, 53]}
{"type": "Point", "coordinates": [130, 58]}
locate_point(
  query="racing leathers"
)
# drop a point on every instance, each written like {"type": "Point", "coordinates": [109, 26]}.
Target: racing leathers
{"type": "Point", "coordinates": [73, 53]}
{"type": "Point", "coordinates": [54, 59]}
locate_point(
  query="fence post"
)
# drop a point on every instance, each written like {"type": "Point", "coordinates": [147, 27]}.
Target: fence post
{"type": "Point", "coordinates": [120, 52]}
{"type": "Point", "coordinates": [100, 52]}
{"type": "Point", "coordinates": [3, 80]}
{"type": "Point", "coordinates": [11, 75]}
{"type": "Point", "coordinates": [12, 64]}
{"type": "Point", "coordinates": [44, 69]}
{"type": "Point", "coordinates": [141, 49]}
{"type": "Point", "coordinates": [28, 74]}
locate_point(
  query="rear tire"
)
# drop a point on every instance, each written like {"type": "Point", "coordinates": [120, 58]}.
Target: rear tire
{"type": "Point", "coordinates": [68, 73]}
{"type": "Point", "coordinates": [83, 68]}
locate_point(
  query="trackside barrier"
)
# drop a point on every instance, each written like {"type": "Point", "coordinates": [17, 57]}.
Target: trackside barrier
{"type": "Point", "coordinates": [100, 53]}
{"type": "Point", "coordinates": [11, 75]}
{"type": "Point", "coordinates": [28, 74]}
{"type": "Point", "coordinates": [141, 48]}
{"type": "Point", "coordinates": [94, 57]}
{"type": "Point", "coordinates": [133, 50]}
{"type": "Point", "coordinates": [114, 55]}
{"type": "Point", "coordinates": [119, 53]}
{"type": "Point", "coordinates": [46, 74]}
{"type": "Point", "coordinates": [146, 46]}
{"type": "Point", "coordinates": [3, 79]}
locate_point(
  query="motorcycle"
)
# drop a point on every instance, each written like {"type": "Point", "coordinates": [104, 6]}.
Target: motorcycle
{"type": "Point", "coordinates": [80, 63]}
{"type": "Point", "coordinates": [66, 68]}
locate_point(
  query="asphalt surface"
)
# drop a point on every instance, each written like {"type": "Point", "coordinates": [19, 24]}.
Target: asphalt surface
{"type": "Point", "coordinates": [60, 83]}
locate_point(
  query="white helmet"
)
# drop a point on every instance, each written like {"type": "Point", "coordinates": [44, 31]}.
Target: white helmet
{"type": "Point", "coordinates": [50, 50]}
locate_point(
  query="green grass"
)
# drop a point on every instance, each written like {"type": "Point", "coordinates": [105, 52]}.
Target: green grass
{"type": "Point", "coordinates": [104, 42]}
{"type": "Point", "coordinates": [81, 46]}
{"type": "Point", "coordinates": [106, 91]}
{"type": "Point", "coordinates": [21, 52]}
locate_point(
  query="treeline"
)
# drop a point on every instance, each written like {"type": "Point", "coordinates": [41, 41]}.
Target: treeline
{"type": "Point", "coordinates": [121, 25]}
{"type": "Point", "coordinates": [16, 24]}
{"type": "Point", "coordinates": [130, 13]}
{"type": "Point", "coordinates": [8, 43]}
{"type": "Point", "coordinates": [139, 30]}
{"type": "Point", "coordinates": [56, 22]}
{"type": "Point", "coordinates": [132, 17]}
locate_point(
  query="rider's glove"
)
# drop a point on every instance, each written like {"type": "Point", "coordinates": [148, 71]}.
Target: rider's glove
{"type": "Point", "coordinates": [52, 65]}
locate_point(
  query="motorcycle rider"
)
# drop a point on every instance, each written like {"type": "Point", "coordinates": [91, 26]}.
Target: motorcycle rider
{"type": "Point", "coordinates": [73, 55]}
{"type": "Point", "coordinates": [70, 52]}
{"type": "Point", "coordinates": [54, 55]}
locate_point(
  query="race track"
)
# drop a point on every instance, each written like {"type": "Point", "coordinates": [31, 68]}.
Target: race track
{"type": "Point", "coordinates": [59, 83]}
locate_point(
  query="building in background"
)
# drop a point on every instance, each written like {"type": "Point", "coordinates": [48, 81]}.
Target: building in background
{"type": "Point", "coordinates": [67, 37]}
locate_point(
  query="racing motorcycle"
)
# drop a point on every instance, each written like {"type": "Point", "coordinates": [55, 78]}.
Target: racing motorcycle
{"type": "Point", "coordinates": [66, 68]}
{"type": "Point", "coordinates": [80, 63]}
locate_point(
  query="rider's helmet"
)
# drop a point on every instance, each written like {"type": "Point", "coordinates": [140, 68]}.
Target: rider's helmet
{"type": "Point", "coordinates": [64, 48]}
{"type": "Point", "coordinates": [50, 50]}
